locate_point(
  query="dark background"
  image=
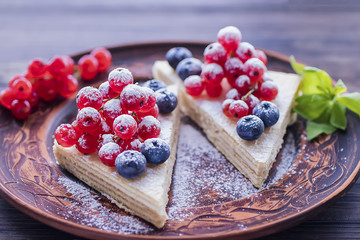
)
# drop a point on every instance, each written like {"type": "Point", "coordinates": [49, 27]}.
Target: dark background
{"type": "Point", "coordinates": [325, 34]}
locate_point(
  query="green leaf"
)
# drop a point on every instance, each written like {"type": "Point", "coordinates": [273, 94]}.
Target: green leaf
{"type": "Point", "coordinates": [297, 67]}
{"type": "Point", "coordinates": [311, 106]}
{"type": "Point", "coordinates": [314, 129]}
{"type": "Point", "coordinates": [351, 101]}
{"type": "Point", "coordinates": [338, 117]}
{"type": "Point", "coordinates": [325, 116]}
{"type": "Point", "coordinates": [339, 87]}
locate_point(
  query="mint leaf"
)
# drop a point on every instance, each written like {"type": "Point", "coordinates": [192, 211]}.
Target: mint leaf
{"type": "Point", "coordinates": [314, 129]}
{"type": "Point", "coordinates": [338, 117]}
{"type": "Point", "coordinates": [339, 87]}
{"type": "Point", "coordinates": [351, 101]}
{"type": "Point", "coordinates": [311, 106]}
{"type": "Point", "coordinates": [297, 67]}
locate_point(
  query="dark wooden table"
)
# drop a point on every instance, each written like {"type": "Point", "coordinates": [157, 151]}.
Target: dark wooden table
{"type": "Point", "coordinates": [321, 33]}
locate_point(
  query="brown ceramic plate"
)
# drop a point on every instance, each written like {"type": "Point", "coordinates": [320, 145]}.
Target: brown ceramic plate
{"type": "Point", "coordinates": [320, 173]}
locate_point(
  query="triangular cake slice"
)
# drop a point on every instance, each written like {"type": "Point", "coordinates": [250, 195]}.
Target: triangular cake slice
{"type": "Point", "coordinates": [146, 196]}
{"type": "Point", "coordinates": [252, 158]}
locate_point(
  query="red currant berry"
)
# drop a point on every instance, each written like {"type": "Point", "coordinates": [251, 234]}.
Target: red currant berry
{"type": "Point", "coordinates": [20, 108]}
{"type": "Point", "coordinates": [267, 91]}
{"type": "Point", "coordinates": [111, 110]}
{"type": "Point", "coordinates": [7, 96]}
{"type": "Point", "coordinates": [37, 68]}
{"type": "Point", "coordinates": [153, 112]}
{"type": "Point", "coordinates": [215, 53]}
{"type": "Point", "coordinates": [68, 86]}
{"type": "Point", "coordinates": [225, 106]}
{"type": "Point", "coordinates": [87, 143]}
{"type": "Point", "coordinates": [108, 153]}
{"type": "Point", "coordinates": [46, 88]}
{"type": "Point", "coordinates": [125, 126]}
{"type": "Point", "coordinates": [149, 127]}
{"type": "Point", "coordinates": [255, 69]}
{"type": "Point", "coordinates": [66, 135]}
{"type": "Point", "coordinates": [70, 64]}
{"type": "Point", "coordinates": [266, 77]}
{"type": "Point", "coordinates": [88, 67]}
{"type": "Point", "coordinates": [229, 37]}
{"type": "Point", "coordinates": [22, 88]}
{"type": "Point", "coordinates": [233, 68]}
{"type": "Point", "coordinates": [104, 58]}
{"type": "Point", "coordinates": [16, 77]}
{"type": "Point", "coordinates": [78, 131]}
{"type": "Point", "coordinates": [212, 73]}
{"type": "Point", "coordinates": [233, 94]}
{"type": "Point", "coordinates": [238, 109]}
{"type": "Point", "coordinates": [104, 128]}
{"type": "Point", "coordinates": [133, 97]}
{"type": "Point", "coordinates": [106, 91]}
{"type": "Point", "coordinates": [244, 51]}
{"type": "Point", "coordinates": [104, 139]}
{"type": "Point", "coordinates": [150, 100]}
{"type": "Point", "coordinates": [243, 84]}
{"type": "Point", "coordinates": [33, 99]}
{"type": "Point", "coordinates": [251, 101]}
{"type": "Point", "coordinates": [59, 66]}
{"type": "Point", "coordinates": [89, 97]}
{"type": "Point", "coordinates": [120, 78]}
{"type": "Point", "coordinates": [194, 85]}
{"type": "Point", "coordinates": [134, 144]}
{"type": "Point", "coordinates": [88, 119]}
{"type": "Point", "coordinates": [261, 55]}
{"type": "Point", "coordinates": [213, 90]}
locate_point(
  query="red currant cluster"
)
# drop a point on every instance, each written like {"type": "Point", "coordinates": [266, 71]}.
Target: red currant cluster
{"type": "Point", "coordinates": [116, 117]}
{"type": "Point", "coordinates": [47, 80]}
{"type": "Point", "coordinates": [242, 65]}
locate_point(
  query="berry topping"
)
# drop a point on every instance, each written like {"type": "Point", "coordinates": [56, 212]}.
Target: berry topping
{"type": "Point", "coordinates": [88, 119]}
{"type": "Point", "coordinates": [108, 153]}
{"type": "Point", "coordinates": [150, 100]}
{"type": "Point", "coordinates": [65, 135]}
{"type": "Point", "coordinates": [238, 109]}
{"type": "Point", "coordinates": [225, 106]}
{"type": "Point", "coordinates": [229, 37]}
{"type": "Point", "coordinates": [261, 55]}
{"type": "Point", "coordinates": [250, 127]}
{"type": "Point", "coordinates": [267, 91]}
{"type": "Point", "coordinates": [213, 90]}
{"type": "Point", "coordinates": [103, 57]}
{"type": "Point", "coordinates": [87, 143]}
{"type": "Point", "coordinates": [166, 101]}
{"type": "Point", "coordinates": [106, 91]}
{"type": "Point", "coordinates": [194, 85]}
{"type": "Point", "coordinates": [212, 73]}
{"type": "Point", "coordinates": [233, 94]}
{"type": "Point", "coordinates": [104, 139]}
{"type": "Point", "coordinates": [255, 69]}
{"type": "Point", "coordinates": [244, 51]}
{"type": "Point", "coordinates": [188, 67]}
{"type": "Point", "coordinates": [215, 53]}
{"type": "Point", "coordinates": [89, 97]}
{"type": "Point", "coordinates": [268, 112]}
{"type": "Point", "coordinates": [175, 55]}
{"type": "Point", "coordinates": [149, 127]}
{"type": "Point", "coordinates": [20, 108]}
{"type": "Point", "coordinates": [120, 78]}
{"type": "Point", "coordinates": [243, 84]}
{"type": "Point", "coordinates": [88, 67]}
{"type": "Point", "coordinates": [153, 112]}
{"type": "Point", "coordinates": [125, 126]}
{"type": "Point", "coordinates": [130, 164]}
{"type": "Point", "coordinates": [154, 84]}
{"type": "Point", "coordinates": [155, 150]}
{"type": "Point", "coordinates": [251, 101]}
{"type": "Point", "coordinates": [111, 110]}
{"type": "Point", "coordinates": [233, 68]}
{"type": "Point", "coordinates": [133, 97]}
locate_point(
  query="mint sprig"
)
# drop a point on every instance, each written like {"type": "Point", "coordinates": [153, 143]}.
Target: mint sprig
{"type": "Point", "coordinates": [321, 103]}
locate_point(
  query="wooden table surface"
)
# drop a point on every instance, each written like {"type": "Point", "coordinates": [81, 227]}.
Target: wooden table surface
{"type": "Point", "coordinates": [321, 33]}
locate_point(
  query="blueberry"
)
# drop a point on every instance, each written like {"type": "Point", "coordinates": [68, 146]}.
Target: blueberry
{"type": "Point", "coordinates": [130, 164]}
{"type": "Point", "coordinates": [154, 84]}
{"type": "Point", "coordinates": [175, 55]}
{"type": "Point", "coordinates": [268, 112]}
{"type": "Point", "coordinates": [166, 101]}
{"type": "Point", "coordinates": [155, 150]}
{"type": "Point", "coordinates": [188, 67]}
{"type": "Point", "coordinates": [250, 127]}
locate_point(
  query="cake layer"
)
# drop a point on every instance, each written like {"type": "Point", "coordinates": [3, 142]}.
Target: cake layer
{"type": "Point", "coordinates": [252, 158]}
{"type": "Point", "coordinates": [145, 196]}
